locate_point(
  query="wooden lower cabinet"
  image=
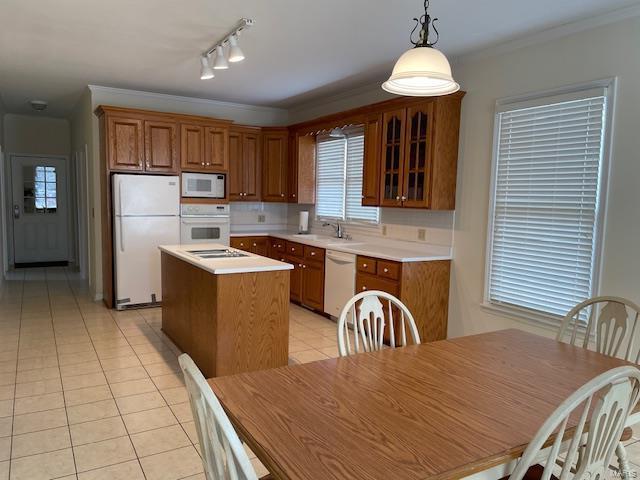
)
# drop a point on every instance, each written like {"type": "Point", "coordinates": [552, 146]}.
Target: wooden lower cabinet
{"type": "Point", "coordinates": [295, 283]}
{"type": "Point", "coordinates": [256, 245]}
{"type": "Point", "coordinates": [422, 286]}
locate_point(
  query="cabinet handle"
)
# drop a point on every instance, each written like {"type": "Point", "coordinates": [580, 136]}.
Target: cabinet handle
{"type": "Point", "coordinates": [282, 194]}
{"type": "Point", "coordinates": [398, 197]}
{"type": "Point", "coordinates": [241, 244]}
{"type": "Point", "coordinates": [279, 246]}
{"type": "Point", "coordinates": [300, 265]}
{"type": "Point", "coordinates": [304, 266]}
{"type": "Point", "coordinates": [313, 253]}
{"type": "Point", "coordinates": [386, 270]}
{"type": "Point", "coordinates": [364, 288]}
{"type": "Point", "coordinates": [293, 249]}
{"type": "Point", "coordinates": [202, 163]}
{"type": "Point", "coordinates": [148, 165]}
{"type": "Point", "coordinates": [404, 198]}
{"type": "Point", "coordinates": [255, 244]}
{"type": "Point", "coordinates": [140, 163]}
{"type": "Point", "coordinates": [364, 265]}
{"type": "Point", "coordinates": [293, 195]}
{"type": "Point", "coordinates": [208, 164]}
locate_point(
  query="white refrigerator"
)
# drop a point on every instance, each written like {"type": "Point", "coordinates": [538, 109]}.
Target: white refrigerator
{"type": "Point", "coordinates": [146, 214]}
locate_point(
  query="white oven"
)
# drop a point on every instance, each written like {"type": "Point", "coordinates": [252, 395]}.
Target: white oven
{"type": "Point", "coordinates": [204, 185]}
{"type": "Point", "coordinates": [204, 224]}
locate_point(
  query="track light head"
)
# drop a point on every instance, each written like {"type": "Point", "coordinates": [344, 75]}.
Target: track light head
{"type": "Point", "coordinates": [235, 53]}
{"type": "Point", "coordinates": [220, 63]}
{"type": "Point", "coordinates": [206, 72]}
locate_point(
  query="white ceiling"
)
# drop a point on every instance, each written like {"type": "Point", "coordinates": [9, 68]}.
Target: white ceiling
{"type": "Point", "coordinates": [297, 50]}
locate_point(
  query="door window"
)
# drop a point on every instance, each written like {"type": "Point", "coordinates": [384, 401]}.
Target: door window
{"type": "Point", "coordinates": [40, 194]}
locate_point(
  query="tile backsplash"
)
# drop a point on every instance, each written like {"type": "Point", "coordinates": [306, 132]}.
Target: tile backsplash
{"type": "Point", "coordinates": [420, 226]}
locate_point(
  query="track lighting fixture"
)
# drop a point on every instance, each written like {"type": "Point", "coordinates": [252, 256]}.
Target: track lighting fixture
{"type": "Point", "coordinates": [206, 72]}
{"type": "Point", "coordinates": [221, 61]}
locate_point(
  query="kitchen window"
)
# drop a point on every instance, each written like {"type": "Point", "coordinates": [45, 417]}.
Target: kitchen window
{"type": "Point", "coordinates": [339, 177]}
{"type": "Point", "coordinates": [547, 202]}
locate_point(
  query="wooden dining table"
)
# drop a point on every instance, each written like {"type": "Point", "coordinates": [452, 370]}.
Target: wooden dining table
{"type": "Point", "coordinates": [443, 410]}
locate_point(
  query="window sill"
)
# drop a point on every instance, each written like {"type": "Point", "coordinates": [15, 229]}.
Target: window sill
{"type": "Point", "coordinates": [547, 322]}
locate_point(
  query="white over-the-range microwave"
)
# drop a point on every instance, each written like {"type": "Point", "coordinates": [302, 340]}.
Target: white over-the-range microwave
{"type": "Point", "coordinates": [203, 185]}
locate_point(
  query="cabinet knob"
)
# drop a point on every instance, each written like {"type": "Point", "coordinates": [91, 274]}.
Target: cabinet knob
{"type": "Point", "coordinates": [364, 265]}
{"type": "Point", "coordinates": [139, 164]}
{"type": "Point", "coordinates": [313, 253]}
{"type": "Point", "coordinates": [255, 244]}
{"type": "Point", "coordinates": [241, 244]}
{"type": "Point", "coordinates": [386, 270]}
{"type": "Point", "coordinates": [293, 195]}
{"type": "Point", "coordinates": [364, 288]}
{"type": "Point", "coordinates": [148, 165]}
{"type": "Point", "coordinates": [202, 163]}
{"type": "Point", "coordinates": [304, 266]}
{"type": "Point", "coordinates": [398, 197]}
{"type": "Point", "coordinates": [300, 265]}
{"type": "Point", "coordinates": [282, 194]}
{"type": "Point", "coordinates": [404, 198]}
{"type": "Point", "coordinates": [362, 197]}
{"type": "Point", "coordinates": [293, 249]}
{"type": "Point", "coordinates": [208, 164]}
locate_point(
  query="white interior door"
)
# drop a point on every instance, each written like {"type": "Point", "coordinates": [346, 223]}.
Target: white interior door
{"type": "Point", "coordinates": [39, 210]}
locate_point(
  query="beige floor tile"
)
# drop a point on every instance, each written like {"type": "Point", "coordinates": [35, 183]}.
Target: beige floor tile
{"type": "Point", "coordinates": [171, 380]}
{"type": "Point", "coordinates": [157, 369]}
{"type": "Point", "coordinates": [126, 374]}
{"type": "Point", "coordinates": [149, 420]}
{"type": "Point", "coordinates": [40, 442]}
{"type": "Point", "coordinates": [8, 366]}
{"type": "Point", "coordinates": [103, 454]}
{"type": "Point", "coordinates": [92, 411]}
{"type": "Point", "coordinates": [171, 465]}
{"type": "Point", "coordinates": [97, 430]}
{"type": "Point", "coordinates": [298, 346]}
{"type": "Point", "coordinates": [38, 403]}
{"type": "Point", "coordinates": [7, 378]}
{"type": "Point", "coordinates": [38, 374]}
{"type": "Point", "coordinates": [161, 357]}
{"type": "Point", "coordinates": [80, 369]}
{"type": "Point", "coordinates": [33, 422]}
{"type": "Point", "coordinates": [120, 362]}
{"type": "Point", "coordinates": [309, 356]}
{"type": "Point", "coordinates": [87, 395]}
{"type": "Point", "coordinates": [4, 470]}
{"type": "Point", "coordinates": [44, 466]}
{"type": "Point", "coordinates": [140, 402]}
{"type": "Point", "coordinates": [75, 348]}
{"type": "Point", "coordinates": [331, 352]}
{"type": "Point", "coordinates": [190, 429]}
{"type": "Point", "coordinates": [114, 352]}
{"type": "Point", "coordinates": [6, 408]}
{"type": "Point", "coordinates": [73, 358]}
{"type": "Point", "coordinates": [122, 471]}
{"type": "Point", "coordinates": [154, 347]}
{"type": "Point", "coordinates": [321, 342]}
{"type": "Point", "coordinates": [175, 395]}
{"type": "Point", "coordinates": [182, 411]}
{"type": "Point", "coordinates": [159, 440]}
{"type": "Point", "coordinates": [38, 388]}
{"type": "Point", "coordinates": [132, 387]}
{"type": "Point", "coordinates": [6, 425]}
{"type": "Point", "coordinates": [7, 392]}
{"type": "Point", "coordinates": [5, 448]}
{"type": "Point", "coordinates": [84, 381]}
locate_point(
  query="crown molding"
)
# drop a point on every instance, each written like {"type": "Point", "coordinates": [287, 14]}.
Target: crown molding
{"type": "Point", "coordinates": [185, 99]}
{"type": "Point", "coordinates": [552, 33]}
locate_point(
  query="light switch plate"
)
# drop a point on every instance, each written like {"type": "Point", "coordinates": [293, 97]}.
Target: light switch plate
{"type": "Point", "coordinates": [261, 218]}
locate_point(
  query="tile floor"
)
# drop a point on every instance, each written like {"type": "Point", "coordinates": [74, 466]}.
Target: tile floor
{"type": "Point", "coordinates": [89, 393]}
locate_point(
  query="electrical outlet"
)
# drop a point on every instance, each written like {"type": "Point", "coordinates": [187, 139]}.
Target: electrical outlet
{"type": "Point", "coordinates": [384, 230]}
{"type": "Point", "coordinates": [422, 234]}
{"type": "Point", "coordinates": [262, 218]}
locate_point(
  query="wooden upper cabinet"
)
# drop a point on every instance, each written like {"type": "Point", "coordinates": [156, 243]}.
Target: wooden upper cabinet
{"type": "Point", "coordinates": [236, 179]}
{"type": "Point", "coordinates": [125, 140]}
{"type": "Point", "coordinates": [417, 156]}
{"type": "Point", "coordinates": [392, 159]}
{"type": "Point", "coordinates": [275, 166]}
{"type": "Point", "coordinates": [251, 166]}
{"type": "Point", "coordinates": [161, 146]}
{"type": "Point", "coordinates": [216, 148]}
{"type": "Point", "coordinates": [301, 177]}
{"type": "Point", "coordinates": [371, 161]}
{"type": "Point", "coordinates": [192, 147]}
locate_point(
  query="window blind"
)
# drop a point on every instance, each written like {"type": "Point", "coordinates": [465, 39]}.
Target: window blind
{"type": "Point", "coordinates": [339, 178]}
{"type": "Point", "coordinates": [545, 205]}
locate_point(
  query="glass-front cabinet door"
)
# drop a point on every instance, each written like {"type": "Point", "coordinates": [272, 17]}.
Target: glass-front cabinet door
{"type": "Point", "coordinates": [393, 134]}
{"type": "Point", "coordinates": [417, 157]}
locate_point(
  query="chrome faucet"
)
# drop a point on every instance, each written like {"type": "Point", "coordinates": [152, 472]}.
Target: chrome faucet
{"type": "Point", "coordinates": [337, 227]}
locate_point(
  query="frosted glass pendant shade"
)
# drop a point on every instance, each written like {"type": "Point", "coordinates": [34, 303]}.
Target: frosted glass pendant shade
{"type": "Point", "coordinates": [421, 72]}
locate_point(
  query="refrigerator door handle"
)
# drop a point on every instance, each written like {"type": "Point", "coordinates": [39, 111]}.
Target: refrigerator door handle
{"type": "Point", "coordinates": [121, 234]}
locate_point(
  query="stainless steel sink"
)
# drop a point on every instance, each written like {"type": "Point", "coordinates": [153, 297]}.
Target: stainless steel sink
{"type": "Point", "coordinates": [217, 253]}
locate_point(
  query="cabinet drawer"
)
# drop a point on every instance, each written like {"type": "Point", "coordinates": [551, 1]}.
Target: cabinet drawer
{"type": "Point", "coordinates": [314, 253]}
{"type": "Point", "coordinates": [295, 249]}
{"type": "Point", "coordinates": [241, 243]}
{"type": "Point", "coordinates": [366, 282]}
{"type": "Point", "coordinates": [388, 269]}
{"type": "Point", "coordinates": [366, 265]}
{"type": "Point", "coordinates": [277, 244]}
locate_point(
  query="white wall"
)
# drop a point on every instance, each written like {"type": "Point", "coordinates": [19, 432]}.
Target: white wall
{"type": "Point", "coordinates": [2, 193]}
{"type": "Point", "coordinates": [36, 135]}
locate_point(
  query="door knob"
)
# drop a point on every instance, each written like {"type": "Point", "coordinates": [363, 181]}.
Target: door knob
{"type": "Point", "coordinates": [16, 211]}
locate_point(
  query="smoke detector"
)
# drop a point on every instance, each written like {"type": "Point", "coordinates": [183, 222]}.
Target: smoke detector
{"type": "Point", "coordinates": [39, 105]}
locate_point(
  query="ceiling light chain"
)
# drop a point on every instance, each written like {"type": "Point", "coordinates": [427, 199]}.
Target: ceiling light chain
{"type": "Point", "coordinates": [221, 61]}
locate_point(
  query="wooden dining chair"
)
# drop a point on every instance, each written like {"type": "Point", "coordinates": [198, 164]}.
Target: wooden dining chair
{"type": "Point", "coordinates": [223, 456]}
{"type": "Point", "coordinates": [608, 325]}
{"type": "Point", "coordinates": [599, 410]}
{"type": "Point", "coordinates": [369, 323]}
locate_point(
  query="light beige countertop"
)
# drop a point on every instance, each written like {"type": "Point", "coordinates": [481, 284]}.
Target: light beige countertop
{"type": "Point", "coordinates": [386, 249]}
{"type": "Point", "coordinates": [224, 266]}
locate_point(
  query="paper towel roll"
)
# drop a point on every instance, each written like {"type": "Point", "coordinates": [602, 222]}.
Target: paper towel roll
{"type": "Point", "coordinates": [303, 224]}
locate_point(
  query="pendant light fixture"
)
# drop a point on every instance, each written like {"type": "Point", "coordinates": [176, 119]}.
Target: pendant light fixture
{"type": "Point", "coordinates": [206, 72]}
{"type": "Point", "coordinates": [220, 63]}
{"type": "Point", "coordinates": [422, 71]}
{"type": "Point", "coordinates": [235, 54]}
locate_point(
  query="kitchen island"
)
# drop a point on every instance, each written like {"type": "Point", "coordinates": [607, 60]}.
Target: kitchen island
{"type": "Point", "coordinates": [229, 310]}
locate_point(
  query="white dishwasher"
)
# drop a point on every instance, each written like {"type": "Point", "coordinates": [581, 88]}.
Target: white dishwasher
{"type": "Point", "coordinates": [339, 281]}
